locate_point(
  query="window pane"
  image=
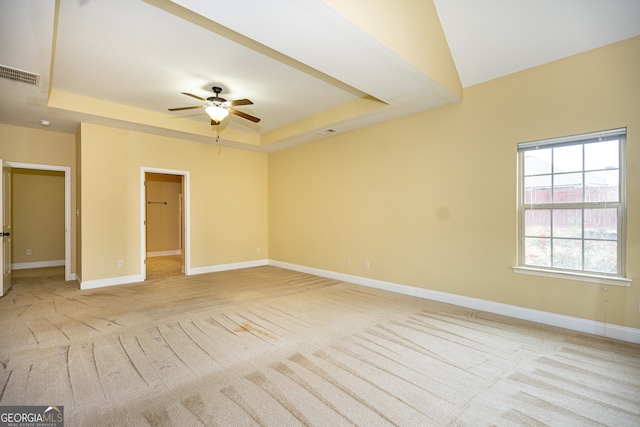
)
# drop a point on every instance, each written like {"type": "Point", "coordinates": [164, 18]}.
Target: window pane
{"type": "Point", "coordinates": [567, 253]}
{"type": "Point", "coordinates": [601, 224]}
{"type": "Point", "coordinates": [567, 188]}
{"type": "Point", "coordinates": [537, 223]}
{"type": "Point", "coordinates": [537, 162]}
{"type": "Point", "coordinates": [602, 186]}
{"type": "Point", "coordinates": [572, 205]}
{"type": "Point", "coordinates": [567, 159]}
{"type": "Point", "coordinates": [537, 252]}
{"type": "Point", "coordinates": [601, 256]}
{"type": "Point", "coordinates": [601, 155]}
{"type": "Point", "coordinates": [537, 189]}
{"type": "Point", "coordinates": [567, 223]}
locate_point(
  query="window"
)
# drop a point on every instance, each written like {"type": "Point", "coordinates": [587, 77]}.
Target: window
{"type": "Point", "coordinates": [571, 204]}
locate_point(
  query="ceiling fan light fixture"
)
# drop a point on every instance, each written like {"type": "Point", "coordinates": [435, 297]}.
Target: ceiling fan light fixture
{"type": "Point", "coordinates": [216, 112]}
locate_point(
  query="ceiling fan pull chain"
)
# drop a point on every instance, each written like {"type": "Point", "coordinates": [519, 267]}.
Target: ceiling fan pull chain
{"type": "Point", "coordinates": [218, 138]}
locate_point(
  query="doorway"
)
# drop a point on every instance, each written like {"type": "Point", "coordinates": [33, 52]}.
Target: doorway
{"type": "Point", "coordinates": [164, 239]}
{"type": "Point", "coordinates": [64, 233]}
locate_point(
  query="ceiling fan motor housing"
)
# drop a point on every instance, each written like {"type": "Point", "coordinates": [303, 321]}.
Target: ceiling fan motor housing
{"type": "Point", "coordinates": [216, 100]}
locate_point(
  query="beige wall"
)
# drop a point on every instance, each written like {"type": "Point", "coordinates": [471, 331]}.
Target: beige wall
{"type": "Point", "coordinates": [430, 200]}
{"type": "Point", "coordinates": [163, 212]}
{"type": "Point", "coordinates": [38, 215]}
{"type": "Point", "coordinates": [42, 147]}
{"type": "Point", "coordinates": [228, 195]}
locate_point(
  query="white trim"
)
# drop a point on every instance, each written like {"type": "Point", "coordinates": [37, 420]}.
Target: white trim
{"type": "Point", "coordinates": [67, 208]}
{"type": "Point", "coordinates": [37, 264]}
{"type": "Point", "coordinates": [622, 333]}
{"type": "Point", "coordinates": [187, 217]}
{"type": "Point", "coordinates": [164, 253]}
{"type": "Point", "coordinates": [620, 206]}
{"type": "Point", "coordinates": [581, 277]}
{"type": "Point", "coordinates": [111, 281]}
{"type": "Point", "coordinates": [578, 138]}
{"type": "Point", "coordinates": [227, 267]}
{"type": "Point", "coordinates": [124, 280]}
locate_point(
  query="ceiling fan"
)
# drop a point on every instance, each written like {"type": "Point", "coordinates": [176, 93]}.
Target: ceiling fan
{"type": "Point", "coordinates": [218, 108]}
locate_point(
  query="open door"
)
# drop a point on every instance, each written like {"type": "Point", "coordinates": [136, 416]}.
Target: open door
{"type": "Point", "coordinates": [5, 211]}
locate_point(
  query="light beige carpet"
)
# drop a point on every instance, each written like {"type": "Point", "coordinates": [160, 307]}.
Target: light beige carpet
{"type": "Point", "coordinates": [271, 347]}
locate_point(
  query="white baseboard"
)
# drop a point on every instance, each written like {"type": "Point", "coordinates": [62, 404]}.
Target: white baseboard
{"type": "Point", "coordinates": [226, 267]}
{"type": "Point", "coordinates": [37, 264]}
{"type": "Point", "coordinates": [111, 281]}
{"type": "Point", "coordinates": [622, 333]}
{"type": "Point", "coordinates": [124, 280]}
{"type": "Point", "coordinates": [164, 253]}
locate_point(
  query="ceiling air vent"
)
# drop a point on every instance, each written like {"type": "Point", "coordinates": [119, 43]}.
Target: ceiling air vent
{"type": "Point", "coordinates": [19, 75]}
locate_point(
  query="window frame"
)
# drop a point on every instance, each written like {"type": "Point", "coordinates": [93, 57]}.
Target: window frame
{"type": "Point", "coordinates": [617, 278]}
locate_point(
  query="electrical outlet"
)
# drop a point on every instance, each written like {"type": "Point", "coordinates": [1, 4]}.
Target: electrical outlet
{"type": "Point", "coordinates": [29, 252]}
{"type": "Point", "coordinates": [367, 264]}
{"type": "Point", "coordinates": [120, 263]}
{"type": "Point", "coordinates": [258, 250]}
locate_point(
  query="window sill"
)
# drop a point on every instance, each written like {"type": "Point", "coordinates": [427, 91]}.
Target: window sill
{"type": "Point", "coordinates": [593, 278]}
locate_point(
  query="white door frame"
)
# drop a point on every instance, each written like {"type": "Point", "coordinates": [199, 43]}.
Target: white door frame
{"type": "Point", "coordinates": [6, 217]}
{"type": "Point", "coordinates": [67, 208]}
{"type": "Point", "coordinates": [187, 217]}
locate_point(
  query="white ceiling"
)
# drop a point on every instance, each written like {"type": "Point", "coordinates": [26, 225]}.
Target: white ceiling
{"type": "Point", "coordinates": [292, 58]}
{"type": "Point", "coordinates": [493, 38]}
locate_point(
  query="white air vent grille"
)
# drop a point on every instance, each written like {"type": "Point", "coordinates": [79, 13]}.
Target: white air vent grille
{"type": "Point", "coordinates": [19, 75]}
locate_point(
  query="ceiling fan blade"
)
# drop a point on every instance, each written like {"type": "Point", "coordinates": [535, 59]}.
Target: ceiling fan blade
{"type": "Point", "coordinates": [244, 115]}
{"type": "Point", "coordinates": [193, 96]}
{"type": "Point", "coordinates": [185, 108]}
{"type": "Point", "coordinates": [240, 102]}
